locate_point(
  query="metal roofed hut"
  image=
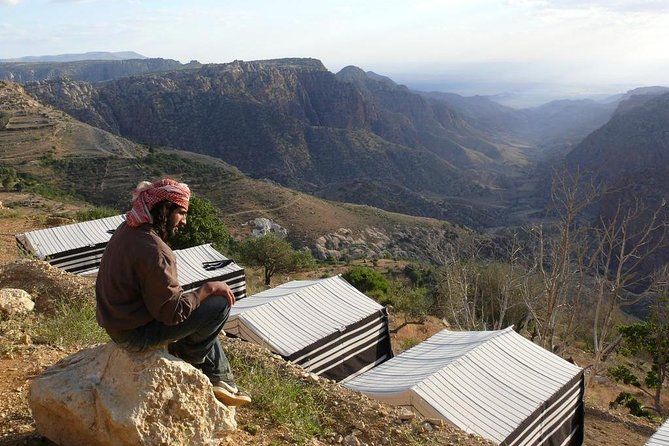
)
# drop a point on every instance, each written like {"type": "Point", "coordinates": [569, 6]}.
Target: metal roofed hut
{"type": "Point", "coordinates": [661, 437]}
{"type": "Point", "coordinates": [76, 248]}
{"type": "Point", "coordinates": [203, 263]}
{"type": "Point", "coordinates": [326, 326]}
{"type": "Point", "coordinates": [495, 384]}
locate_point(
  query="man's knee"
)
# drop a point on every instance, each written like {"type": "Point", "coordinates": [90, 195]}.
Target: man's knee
{"type": "Point", "coordinates": [216, 306]}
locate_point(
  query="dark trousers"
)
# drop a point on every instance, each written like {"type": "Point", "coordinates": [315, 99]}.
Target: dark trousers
{"type": "Point", "coordinates": [195, 340]}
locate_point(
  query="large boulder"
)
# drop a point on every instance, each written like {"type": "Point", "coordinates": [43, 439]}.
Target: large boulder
{"type": "Point", "coordinates": [14, 302]}
{"type": "Point", "coordinates": [107, 396]}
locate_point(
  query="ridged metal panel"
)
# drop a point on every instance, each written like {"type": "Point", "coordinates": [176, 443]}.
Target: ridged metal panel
{"type": "Point", "coordinates": [661, 437]}
{"type": "Point", "coordinates": [486, 383]}
{"type": "Point", "coordinates": [295, 315]}
{"type": "Point", "coordinates": [191, 270]}
{"type": "Point", "coordinates": [52, 241]}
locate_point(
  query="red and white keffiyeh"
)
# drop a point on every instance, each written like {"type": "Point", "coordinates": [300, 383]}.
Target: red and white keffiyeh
{"type": "Point", "coordinates": [146, 195]}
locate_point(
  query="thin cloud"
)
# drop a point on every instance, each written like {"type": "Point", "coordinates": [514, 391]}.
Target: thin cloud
{"type": "Point", "coordinates": [10, 2]}
{"type": "Point", "coordinates": [621, 6]}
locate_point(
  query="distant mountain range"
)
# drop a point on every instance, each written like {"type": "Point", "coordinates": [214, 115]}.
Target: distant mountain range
{"type": "Point", "coordinates": [353, 136]}
{"type": "Point", "coordinates": [96, 55]}
{"type": "Point", "coordinates": [86, 70]}
{"type": "Point", "coordinates": [557, 124]}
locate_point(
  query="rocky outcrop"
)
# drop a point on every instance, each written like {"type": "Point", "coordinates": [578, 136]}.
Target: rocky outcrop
{"type": "Point", "coordinates": [403, 243]}
{"type": "Point", "coordinates": [107, 396]}
{"type": "Point", "coordinates": [15, 302]}
{"type": "Point", "coordinates": [262, 226]}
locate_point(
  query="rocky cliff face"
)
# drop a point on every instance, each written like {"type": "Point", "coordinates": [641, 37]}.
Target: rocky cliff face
{"type": "Point", "coordinates": [635, 140]}
{"type": "Point", "coordinates": [292, 121]}
{"type": "Point", "coordinates": [630, 157]}
{"type": "Point", "coordinates": [87, 70]}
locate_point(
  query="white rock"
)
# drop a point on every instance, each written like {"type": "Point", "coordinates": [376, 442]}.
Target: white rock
{"type": "Point", "coordinates": [15, 302]}
{"type": "Point", "coordinates": [263, 226]}
{"type": "Point", "coordinates": [107, 396]}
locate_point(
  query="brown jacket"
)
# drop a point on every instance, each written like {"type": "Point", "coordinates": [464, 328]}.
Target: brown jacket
{"type": "Point", "coordinates": [137, 282]}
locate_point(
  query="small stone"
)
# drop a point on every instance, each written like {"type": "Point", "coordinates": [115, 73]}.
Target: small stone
{"type": "Point", "coordinates": [351, 440]}
{"type": "Point", "coordinates": [359, 424]}
{"type": "Point", "coordinates": [426, 427]}
{"type": "Point", "coordinates": [435, 422]}
{"type": "Point", "coordinates": [406, 414]}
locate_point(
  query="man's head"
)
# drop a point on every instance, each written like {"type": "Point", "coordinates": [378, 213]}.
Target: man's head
{"type": "Point", "coordinates": [167, 219]}
{"type": "Point", "coordinates": [163, 204]}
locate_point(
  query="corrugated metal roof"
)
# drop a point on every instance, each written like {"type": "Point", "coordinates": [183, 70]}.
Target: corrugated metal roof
{"type": "Point", "coordinates": [190, 264]}
{"type": "Point", "coordinates": [294, 315]}
{"type": "Point", "coordinates": [50, 241]}
{"type": "Point", "coordinates": [203, 263]}
{"type": "Point", "coordinates": [483, 382]}
{"type": "Point", "coordinates": [661, 437]}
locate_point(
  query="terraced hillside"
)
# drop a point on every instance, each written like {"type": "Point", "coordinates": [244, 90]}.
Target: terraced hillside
{"type": "Point", "coordinates": [101, 168]}
{"type": "Point", "coordinates": [33, 131]}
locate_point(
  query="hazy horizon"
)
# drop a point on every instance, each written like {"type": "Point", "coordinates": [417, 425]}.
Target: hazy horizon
{"type": "Point", "coordinates": [466, 46]}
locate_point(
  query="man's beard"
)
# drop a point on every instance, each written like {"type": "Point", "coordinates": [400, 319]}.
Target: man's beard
{"type": "Point", "coordinates": [170, 234]}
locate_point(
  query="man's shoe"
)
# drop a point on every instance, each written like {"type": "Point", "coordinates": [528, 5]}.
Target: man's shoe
{"type": "Point", "coordinates": [223, 394]}
{"type": "Point", "coordinates": [230, 387]}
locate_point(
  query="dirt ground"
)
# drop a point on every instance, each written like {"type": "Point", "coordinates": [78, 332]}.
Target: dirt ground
{"type": "Point", "coordinates": [22, 212]}
{"type": "Point", "coordinates": [25, 360]}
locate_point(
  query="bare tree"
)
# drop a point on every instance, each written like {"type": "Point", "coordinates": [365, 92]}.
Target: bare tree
{"type": "Point", "coordinates": [475, 294]}
{"type": "Point", "coordinates": [558, 258]}
{"type": "Point", "coordinates": [622, 242]}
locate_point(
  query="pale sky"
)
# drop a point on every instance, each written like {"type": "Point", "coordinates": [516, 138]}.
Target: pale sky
{"type": "Point", "coordinates": [592, 42]}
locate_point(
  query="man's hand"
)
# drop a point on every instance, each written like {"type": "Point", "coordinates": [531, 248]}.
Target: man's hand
{"type": "Point", "coordinates": [216, 289]}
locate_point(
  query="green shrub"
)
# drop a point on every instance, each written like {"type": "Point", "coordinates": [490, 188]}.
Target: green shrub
{"type": "Point", "coordinates": [413, 302]}
{"type": "Point", "coordinates": [408, 343]}
{"type": "Point", "coordinates": [95, 213]}
{"type": "Point", "coordinates": [624, 375]}
{"type": "Point", "coordinates": [4, 120]}
{"type": "Point", "coordinates": [628, 400]}
{"type": "Point", "coordinates": [420, 276]}
{"type": "Point", "coordinates": [367, 281]}
{"type": "Point", "coordinates": [202, 226]}
{"type": "Point", "coordinates": [8, 178]}
{"type": "Point", "coordinates": [303, 260]}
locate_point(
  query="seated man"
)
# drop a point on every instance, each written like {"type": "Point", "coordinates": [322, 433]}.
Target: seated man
{"type": "Point", "coordinates": [139, 300]}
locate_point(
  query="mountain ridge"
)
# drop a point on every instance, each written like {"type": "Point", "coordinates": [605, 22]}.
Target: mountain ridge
{"type": "Point", "coordinates": [87, 70]}
{"type": "Point", "coordinates": [294, 122]}
{"type": "Point", "coordinates": [66, 155]}
{"type": "Point", "coordinates": [73, 57]}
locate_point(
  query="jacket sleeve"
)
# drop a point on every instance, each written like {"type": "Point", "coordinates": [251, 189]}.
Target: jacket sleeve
{"type": "Point", "coordinates": [162, 294]}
